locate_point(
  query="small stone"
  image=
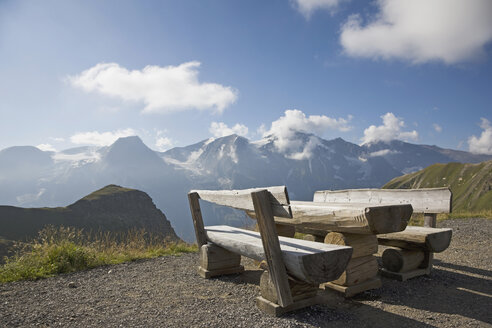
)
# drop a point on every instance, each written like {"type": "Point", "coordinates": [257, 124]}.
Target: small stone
{"type": "Point", "coordinates": [110, 271]}
{"type": "Point", "coordinates": [72, 284]}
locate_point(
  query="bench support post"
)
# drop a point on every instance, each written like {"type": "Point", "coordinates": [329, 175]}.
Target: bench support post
{"type": "Point", "coordinates": [196, 214]}
{"type": "Point", "coordinates": [430, 220]}
{"type": "Point", "coordinates": [217, 261]}
{"type": "Point", "coordinates": [271, 245]}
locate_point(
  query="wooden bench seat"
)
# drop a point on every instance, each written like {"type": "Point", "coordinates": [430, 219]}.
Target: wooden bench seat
{"type": "Point", "coordinates": [295, 267]}
{"type": "Point", "coordinates": [307, 261]}
{"type": "Point", "coordinates": [411, 251]}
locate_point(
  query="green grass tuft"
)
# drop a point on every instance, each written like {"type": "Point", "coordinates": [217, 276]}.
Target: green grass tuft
{"type": "Point", "coordinates": [64, 250]}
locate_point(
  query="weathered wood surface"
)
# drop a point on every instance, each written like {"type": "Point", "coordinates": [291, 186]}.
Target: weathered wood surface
{"type": "Point", "coordinates": [396, 259]}
{"type": "Point", "coordinates": [430, 220]}
{"type": "Point", "coordinates": [362, 245]}
{"type": "Point", "coordinates": [213, 257]}
{"type": "Point", "coordinates": [425, 200]}
{"type": "Point", "coordinates": [429, 239]}
{"type": "Point", "coordinates": [241, 199]}
{"type": "Point", "coordinates": [271, 246]}
{"type": "Point", "coordinates": [276, 310]}
{"type": "Point", "coordinates": [316, 238]}
{"type": "Point", "coordinates": [358, 270]}
{"type": "Point", "coordinates": [298, 290]}
{"type": "Point", "coordinates": [196, 215]}
{"type": "Point", "coordinates": [307, 261]}
{"type": "Point", "coordinates": [319, 218]}
{"type": "Point", "coordinates": [349, 291]}
{"type": "Point", "coordinates": [285, 230]}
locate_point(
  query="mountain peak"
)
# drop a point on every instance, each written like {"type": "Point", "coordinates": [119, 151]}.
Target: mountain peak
{"type": "Point", "coordinates": [107, 191]}
{"type": "Point", "coordinates": [129, 151]}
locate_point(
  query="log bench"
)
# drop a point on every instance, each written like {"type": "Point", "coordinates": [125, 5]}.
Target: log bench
{"type": "Point", "coordinates": [295, 268]}
{"type": "Point", "coordinates": [348, 224]}
{"type": "Point", "coordinates": [411, 250]}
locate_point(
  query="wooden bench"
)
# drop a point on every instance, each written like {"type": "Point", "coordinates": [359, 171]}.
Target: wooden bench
{"type": "Point", "coordinates": [295, 268]}
{"type": "Point", "coordinates": [411, 251]}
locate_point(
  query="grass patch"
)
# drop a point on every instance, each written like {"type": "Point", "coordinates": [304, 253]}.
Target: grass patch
{"type": "Point", "coordinates": [417, 219]}
{"type": "Point", "coordinates": [66, 249]}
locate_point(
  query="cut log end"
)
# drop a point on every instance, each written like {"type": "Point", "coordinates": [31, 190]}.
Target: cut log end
{"type": "Point", "coordinates": [400, 260]}
{"type": "Point", "coordinates": [326, 267]}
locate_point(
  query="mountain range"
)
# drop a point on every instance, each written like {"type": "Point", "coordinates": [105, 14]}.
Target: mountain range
{"type": "Point", "coordinates": [30, 177]}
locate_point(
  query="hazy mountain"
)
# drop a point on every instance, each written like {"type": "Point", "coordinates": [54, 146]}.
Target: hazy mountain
{"type": "Point", "coordinates": [30, 177]}
{"type": "Point", "coordinates": [111, 208]}
{"type": "Point", "coordinates": [471, 184]}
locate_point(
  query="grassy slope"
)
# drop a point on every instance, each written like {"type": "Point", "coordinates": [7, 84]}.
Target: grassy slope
{"type": "Point", "coordinates": [63, 250]}
{"type": "Point", "coordinates": [471, 184]}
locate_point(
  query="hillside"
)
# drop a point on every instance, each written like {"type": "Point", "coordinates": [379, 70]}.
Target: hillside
{"type": "Point", "coordinates": [111, 208]}
{"type": "Point", "coordinates": [471, 184]}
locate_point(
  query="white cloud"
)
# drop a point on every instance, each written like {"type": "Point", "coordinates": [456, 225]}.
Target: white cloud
{"type": "Point", "coordinates": [307, 7]}
{"type": "Point", "coordinates": [437, 127]}
{"type": "Point", "coordinates": [294, 120]}
{"type": "Point", "coordinates": [100, 138]}
{"type": "Point", "coordinates": [383, 152]}
{"type": "Point", "coordinates": [421, 30]}
{"type": "Point", "coordinates": [163, 143]}
{"type": "Point", "coordinates": [220, 129]}
{"type": "Point", "coordinates": [390, 130]}
{"type": "Point", "coordinates": [46, 147]}
{"type": "Point", "coordinates": [482, 144]}
{"type": "Point", "coordinates": [307, 151]}
{"type": "Point", "coordinates": [161, 89]}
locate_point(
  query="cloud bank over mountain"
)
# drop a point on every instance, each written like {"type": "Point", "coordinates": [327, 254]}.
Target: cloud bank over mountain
{"type": "Point", "coordinates": [390, 130]}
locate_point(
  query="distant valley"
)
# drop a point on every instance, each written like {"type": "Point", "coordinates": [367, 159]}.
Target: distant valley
{"type": "Point", "coordinates": [30, 177]}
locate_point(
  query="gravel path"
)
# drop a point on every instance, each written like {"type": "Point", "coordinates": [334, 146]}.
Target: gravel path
{"type": "Point", "coordinates": [167, 292]}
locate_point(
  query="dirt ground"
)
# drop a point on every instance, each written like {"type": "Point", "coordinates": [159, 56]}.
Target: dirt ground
{"type": "Point", "coordinates": [167, 292]}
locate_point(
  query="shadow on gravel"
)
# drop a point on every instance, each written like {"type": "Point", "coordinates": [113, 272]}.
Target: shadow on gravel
{"type": "Point", "coordinates": [352, 314]}
{"type": "Point", "coordinates": [462, 268]}
{"type": "Point", "coordinates": [445, 291]}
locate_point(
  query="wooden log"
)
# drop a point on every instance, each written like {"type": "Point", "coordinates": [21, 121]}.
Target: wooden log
{"type": "Point", "coordinates": [358, 270]}
{"type": "Point", "coordinates": [241, 199]}
{"type": "Point", "coordinates": [298, 290]}
{"type": "Point", "coordinates": [271, 246]}
{"type": "Point", "coordinates": [320, 218]}
{"type": "Point", "coordinates": [349, 291]}
{"type": "Point", "coordinates": [363, 245]}
{"type": "Point", "coordinates": [316, 238]}
{"type": "Point", "coordinates": [196, 215]}
{"type": "Point", "coordinates": [213, 257]}
{"type": "Point", "coordinates": [285, 230]}
{"type": "Point", "coordinates": [430, 220]}
{"type": "Point", "coordinates": [429, 239]}
{"type": "Point", "coordinates": [401, 260]}
{"type": "Point", "coordinates": [305, 260]}
{"type": "Point", "coordinates": [425, 200]}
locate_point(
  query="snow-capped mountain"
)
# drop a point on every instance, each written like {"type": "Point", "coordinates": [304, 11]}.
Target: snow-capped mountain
{"type": "Point", "coordinates": [31, 177]}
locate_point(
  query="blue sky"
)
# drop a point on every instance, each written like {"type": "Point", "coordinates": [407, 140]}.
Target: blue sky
{"type": "Point", "coordinates": [176, 72]}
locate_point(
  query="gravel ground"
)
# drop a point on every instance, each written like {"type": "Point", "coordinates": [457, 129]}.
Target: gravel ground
{"type": "Point", "coordinates": [167, 292]}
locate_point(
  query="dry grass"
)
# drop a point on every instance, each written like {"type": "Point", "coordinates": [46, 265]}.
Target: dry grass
{"type": "Point", "coordinates": [66, 249]}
